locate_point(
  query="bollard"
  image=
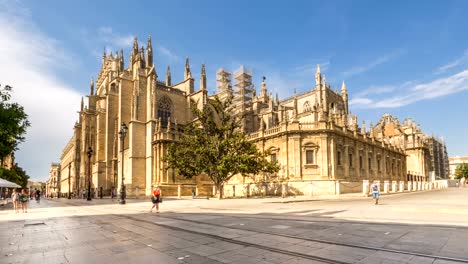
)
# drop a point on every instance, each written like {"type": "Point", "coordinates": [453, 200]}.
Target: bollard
{"type": "Point", "coordinates": [386, 186]}
{"type": "Point", "coordinates": [410, 186]}
{"type": "Point", "coordinates": [365, 187]}
{"type": "Point", "coordinates": [402, 186]}
{"type": "Point", "coordinates": [337, 188]}
{"type": "Point", "coordinates": [394, 186]}
{"type": "Point", "coordinates": [179, 191]}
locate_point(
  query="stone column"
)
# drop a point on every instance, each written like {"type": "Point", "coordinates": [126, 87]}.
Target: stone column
{"type": "Point", "coordinates": [385, 186]}
{"type": "Point", "coordinates": [365, 187]}
{"type": "Point", "coordinates": [178, 191]}
{"type": "Point", "coordinates": [402, 186]}
{"type": "Point", "coordinates": [394, 186]}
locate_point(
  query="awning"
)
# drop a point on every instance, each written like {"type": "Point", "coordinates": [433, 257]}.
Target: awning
{"type": "Point", "coordinates": [8, 184]}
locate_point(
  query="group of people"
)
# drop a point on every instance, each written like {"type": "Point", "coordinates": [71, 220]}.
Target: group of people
{"type": "Point", "coordinates": [21, 199]}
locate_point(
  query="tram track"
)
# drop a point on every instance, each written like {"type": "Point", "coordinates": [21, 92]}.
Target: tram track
{"type": "Point", "coordinates": [286, 252]}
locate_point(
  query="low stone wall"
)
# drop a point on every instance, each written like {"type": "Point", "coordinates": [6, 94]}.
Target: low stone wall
{"type": "Point", "coordinates": [350, 187]}
{"type": "Point", "coordinates": [295, 188]}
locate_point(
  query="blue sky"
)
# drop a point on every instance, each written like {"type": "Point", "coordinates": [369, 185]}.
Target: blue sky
{"type": "Point", "coordinates": [397, 57]}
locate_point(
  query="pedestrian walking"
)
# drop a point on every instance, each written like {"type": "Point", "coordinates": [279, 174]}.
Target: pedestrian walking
{"type": "Point", "coordinates": [375, 192]}
{"type": "Point", "coordinates": [24, 201]}
{"type": "Point", "coordinates": [112, 193]}
{"type": "Point", "coordinates": [15, 197]}
{"type": "Point", "coordinates": [156, 199]}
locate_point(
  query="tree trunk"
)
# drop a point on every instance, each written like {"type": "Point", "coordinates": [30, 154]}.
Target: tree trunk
{"type": "Point", "coordinates": [220, 188]}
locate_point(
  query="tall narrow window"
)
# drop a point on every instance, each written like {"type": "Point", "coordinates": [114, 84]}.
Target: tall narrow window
{"type": "Point", "coordinates": [273, 157]}
{"type": "Point", "coordinates": [360, 162]}
{"type": "Point", "coordinates": [350, 160]}
{"type": "Point", "coordinates": [378, 164]}
{"type": "Point", "coordinates": [309, 157]}
{"type": "Point", "coordinates": [164, 110]}
{"type": "Point", "coordinates": [338, 156]}
{"type": "Point", "coordinates": [306, 107]}
{"type": "Point", "coordinates": [369, 163]}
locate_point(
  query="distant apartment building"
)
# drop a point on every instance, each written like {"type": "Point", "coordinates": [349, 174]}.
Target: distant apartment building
{"type": "Point", "coordinates": [53, 182]}
{"type": "Point", "coordinates": [454, 162]}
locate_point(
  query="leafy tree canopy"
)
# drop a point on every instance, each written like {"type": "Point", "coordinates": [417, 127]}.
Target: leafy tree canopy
{"type": "Point", "coordinates": [16, 175]}
{"type": "Point", "coordinates": [13, 123]}
{"type": "Point", "coordinates": [215, 145]}
{"type": "Point", "coordinates": [461, 171]}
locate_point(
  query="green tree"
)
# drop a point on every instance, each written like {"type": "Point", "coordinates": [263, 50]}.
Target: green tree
{"type": "Point", "coordinates": [461, 171]}
{"type": "Point", "coordinates": [13, 123]}
{"type": "Point", "coordinates": [16, 175]}
{"type": "Point", "coordinates": [215, 145]}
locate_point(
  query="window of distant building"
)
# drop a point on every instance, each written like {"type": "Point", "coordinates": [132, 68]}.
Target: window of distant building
{"type": "Point", "coordinates": [310, 154]}
{"type": "Point", "coordinates": [360, 162]}
{"type": "Point", "coordinates": [369, 164]}
{"type": "Point", "coordinates": [273, 157]}
{"type": "Point", "coordinates": [309, 157]}
{"type": "Point", "coordinates": [350, 160]}
{"type": "Point", "coordinates": [338, 157]}
{"type": "Point", "coordinates": [378, 163]}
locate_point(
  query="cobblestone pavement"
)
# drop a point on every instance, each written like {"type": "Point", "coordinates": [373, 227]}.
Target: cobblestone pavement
{"type": "Point", "coordinates": [424, 227]}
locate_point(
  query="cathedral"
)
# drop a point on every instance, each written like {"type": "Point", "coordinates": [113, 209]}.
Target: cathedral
{"type": "Point", "coordinates": [318, 143]}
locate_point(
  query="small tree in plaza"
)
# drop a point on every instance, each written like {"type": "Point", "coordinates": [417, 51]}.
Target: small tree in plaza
{"type": "Point", "coordinates": [215, 145]}
{"type": "Point", "coordinates": [461, 171]}
{"type": "Point", "coordinates": [13, 123]}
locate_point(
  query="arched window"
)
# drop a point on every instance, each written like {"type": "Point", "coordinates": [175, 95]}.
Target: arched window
{"type": "Point", "coordinates": [306, 107]}
{"type": "Point", "coordinates": [164, 110]}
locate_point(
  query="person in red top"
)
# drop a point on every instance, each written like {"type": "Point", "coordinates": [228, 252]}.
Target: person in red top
{"type": "Point", "coordinates": [156, 199]}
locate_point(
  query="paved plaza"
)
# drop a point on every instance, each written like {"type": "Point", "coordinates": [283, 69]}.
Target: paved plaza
{"type": "Point", "coordinates": [424, 227]}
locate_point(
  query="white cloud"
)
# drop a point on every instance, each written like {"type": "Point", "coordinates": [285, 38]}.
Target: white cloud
{"type": "Point", "coordinates": [114, 39]}
{"type": "Point", "coordinates": [371, 65]}
{"type": "Point", "coordinates": [376, 90]}
{"type": "Point", "coordinates": [29, 63]}
{"type": "Point", "coordinates": [453, 64]}
{"type": "Point", "coordinates": [409, 92]}
{"type": "Point", "coordinates": [168, 53]}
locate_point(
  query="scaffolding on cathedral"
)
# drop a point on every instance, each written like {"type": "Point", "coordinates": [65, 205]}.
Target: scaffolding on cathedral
{"type": "Point", "coordinates": [223, 83]}
{"type": "Point", "coordinates": [243, 99]}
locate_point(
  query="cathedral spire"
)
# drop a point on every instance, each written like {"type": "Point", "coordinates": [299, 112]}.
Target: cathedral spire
{"type": "Point", "coordinates": [149, 53]}
{"type": "Point", "coordinates": [104, 56]}
{"type": "Point", "coordinates": [203, 78]}
{"type": "Point", "coordinates": [135, 46]}
{"type": "Point", "coordinates": [82, 103]}
{"type": "Point", "coordinates": [318, 77]}
{"type": "Point", "coordinates": [91, 87]}
{"type": "Point", "coordinates": [343, 89]}
{"type": "Point", "coordinates": [263, 89]}
{"type": "Point", "coordinates": [168, 76]}
{"type": "Point", "coordinates": [187, 73]}
{"type": "Point", "coordinates": [344, 95]}
{"type": "Point", "coordinates": [121, 60]}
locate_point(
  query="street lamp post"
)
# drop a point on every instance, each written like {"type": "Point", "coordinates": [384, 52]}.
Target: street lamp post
{"type": "Point", "coordinates": [69, 193]}
{"type": "Point", "coordinates": [90, 153]}
{"type": "Point", "coordinates": [122, 134]}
